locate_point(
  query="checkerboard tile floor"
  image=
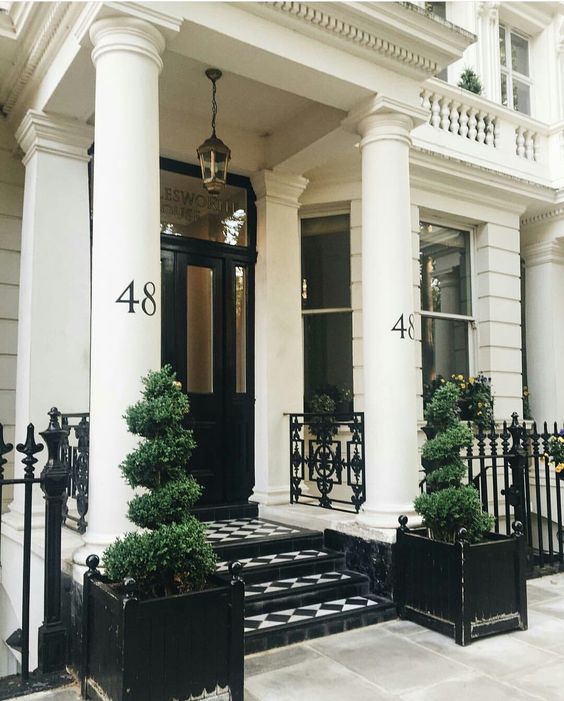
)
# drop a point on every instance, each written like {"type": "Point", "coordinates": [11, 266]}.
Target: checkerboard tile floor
{"type": "Point", "coordinates": [304, 613]}
{"type": "Point", "coordinates": [231, 530]}
{"type": "Point", "coordinates": [293, 583]}
{"type": "Point", "coordinates": [275, 559]}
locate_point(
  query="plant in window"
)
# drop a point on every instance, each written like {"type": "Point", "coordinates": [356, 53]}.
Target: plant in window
{"type": "Point", "coordinates": [448, 505]}
{"type": "Point", "coordinates": [475, 397]}
{"type": "Point", "coordinates": [469, 81]}
{"type": "Point", "coordinates": [556, 451]}
{"type": "Point", "coordinates": [171, 553]}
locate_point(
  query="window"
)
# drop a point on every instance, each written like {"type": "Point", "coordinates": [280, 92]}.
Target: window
{"type": "Point", "coordinates": [446, 303]}
{"type": "Point", "coordinates": [326, 308]}
{"type": "Point", "coordinates": [515, 73]}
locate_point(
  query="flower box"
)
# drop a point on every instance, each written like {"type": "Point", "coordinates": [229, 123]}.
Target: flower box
{"type": "Point", "coordinates": [174, 647]}
{"type": "Point", "coordinates": [463, 590]}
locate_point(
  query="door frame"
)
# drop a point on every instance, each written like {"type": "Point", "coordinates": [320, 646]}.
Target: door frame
{"type": "Point", "coordinates": [230, 256]}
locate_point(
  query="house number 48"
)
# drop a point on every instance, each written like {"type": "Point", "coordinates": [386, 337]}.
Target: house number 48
{"type": "Point", "coordinates": [148, 304]}
{"type": "Point", "coordinates": [402, 329]}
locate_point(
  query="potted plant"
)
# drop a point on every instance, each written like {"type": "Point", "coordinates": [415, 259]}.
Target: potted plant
{"type": "Point", "coordinates": [159, 625]}
{"type": "Point", "coordinates": [469, 81]}
{"type": "Point", "coordinates": [454, 575]}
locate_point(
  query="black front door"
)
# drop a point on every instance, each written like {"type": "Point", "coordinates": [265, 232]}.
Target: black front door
{"type": "Point", "coordinates": [207, 337]}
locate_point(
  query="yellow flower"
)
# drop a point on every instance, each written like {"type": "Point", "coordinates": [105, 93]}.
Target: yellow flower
{"type": "Point", "coordinates": [478, 413]}
{"type": "Point", "coordinates": [480, 405]}
{"type": "Point", "coordinates": [471, 380]}
{"type": "Point", "coordinates": [462, 386]}
{"type": "Point", "coordinates": [177, 384]}
{"type": "Point", "coordinates": [559, 467]}
{"type": "Point", "coordinates": [561, 439]}
{"type": "Point", "coordinates": [442, 380]}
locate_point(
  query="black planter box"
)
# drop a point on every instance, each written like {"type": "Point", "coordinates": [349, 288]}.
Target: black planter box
{"type": "Point", "coordinates": [162, 649]}
{"type": "Point", "coordinates": [461, 590]}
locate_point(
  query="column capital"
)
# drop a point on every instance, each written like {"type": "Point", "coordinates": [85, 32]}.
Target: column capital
{"type": "Point", "coordinates": [40, 132]}
{"type": "Point", "coordinates": [542, 252]}
{"type": "Point", "coordinates": [128, 34]}
{"type": "Point", "coordinates": [282, 188]}
{"type": "Point", "coordinates": [381, 117]}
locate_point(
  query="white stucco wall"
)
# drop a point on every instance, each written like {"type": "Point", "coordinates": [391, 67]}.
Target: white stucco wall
{"type": "Point", "coordinates": [11, 200]}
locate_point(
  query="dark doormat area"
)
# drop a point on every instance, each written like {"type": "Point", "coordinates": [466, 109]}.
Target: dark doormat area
{"type": "Point", "coordinates": [13, 686]}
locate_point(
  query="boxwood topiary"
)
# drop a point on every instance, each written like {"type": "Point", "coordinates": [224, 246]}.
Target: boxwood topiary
{"type": "Point", "coordinates": [171, 553]}
{"type": "Point", "coordinates": [449, 505]}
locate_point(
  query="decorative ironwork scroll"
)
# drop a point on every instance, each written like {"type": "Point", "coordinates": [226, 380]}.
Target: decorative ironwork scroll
{"type": "Point", "coordinates": [75, 455]}
{"type": "Point", "coordinates": [327, 460]}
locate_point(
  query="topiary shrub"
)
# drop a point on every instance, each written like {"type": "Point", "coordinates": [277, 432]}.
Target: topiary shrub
{"type": "Point", "coordinates": [172, 554]}
{"type": "Point", "coordinates": [448, 505]}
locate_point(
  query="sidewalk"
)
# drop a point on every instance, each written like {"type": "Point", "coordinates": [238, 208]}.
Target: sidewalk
{"type": "Point", "coordinates": [401, 661]}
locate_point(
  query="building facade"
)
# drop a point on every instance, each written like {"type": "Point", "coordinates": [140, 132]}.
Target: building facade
{"type": "Point", "coordinates": [381, 227]}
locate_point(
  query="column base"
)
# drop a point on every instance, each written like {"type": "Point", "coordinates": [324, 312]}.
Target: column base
{"type": "Point", "coordinates": [387, 519]}
{"type": "Point", "coordinates": [272, 497]}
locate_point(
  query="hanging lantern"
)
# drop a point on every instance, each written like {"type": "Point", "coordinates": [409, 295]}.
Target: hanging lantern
{"type": "Point", "coordinates": [214, 155]}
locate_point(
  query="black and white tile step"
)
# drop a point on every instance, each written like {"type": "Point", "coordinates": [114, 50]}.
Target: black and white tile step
{"type": "Point", "coordinates": [293, 583]}
{"type": "Point", "coordinates": [306, 613]}
{"type": "Point", "coordinates": [274, 560]}
{"type": "Point", "coordinates": [232, 530]}
{"type": "Point", "coordinates": [295, 587]}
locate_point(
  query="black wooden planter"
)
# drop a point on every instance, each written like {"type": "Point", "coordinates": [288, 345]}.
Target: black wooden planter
{"type": "Point", "coordinates": [162, 649]}
{"type": "Point", "coordinates": [463, 590]}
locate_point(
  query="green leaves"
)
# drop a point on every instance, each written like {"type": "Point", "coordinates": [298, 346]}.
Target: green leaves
{"type": "Point", "coordinates": [153, 558]}
{"type": "Point", "coordinates": [446, 511]}
{"type": "Point", "coordinates": [174, 554]}
{"type": "Point", "coordinates": [448, 505]}
{"type": "Point", "coordinates": [169, 504]}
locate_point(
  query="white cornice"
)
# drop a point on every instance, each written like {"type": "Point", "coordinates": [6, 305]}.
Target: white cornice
{"type": "Point", "coordinates": [543, 252]}
{"type": "Point", "coordinates": [49, 21]}
{"type": "Point", "coordinates": [280, 188]}
{"type": "Point", "coordinates": [422, 45]}
{"type": "Point", "coordinates": [489, 186]}
{"type": "Point", "coordinates": [550, 215]}
{"type": "Point", "coordinates": [169, 25]}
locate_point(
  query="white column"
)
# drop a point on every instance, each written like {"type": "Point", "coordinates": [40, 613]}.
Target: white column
{"type": "Point", "coordinates": [54, 296]}
{"type": "Point", "coordinates": [387, 291]}
{"type": "Point", "coordinates": [126, 337]}
{"type": "Point", "coordinates": [498, 275]}
{"type": "Point", "coordinates": [544, 293]}
{"type": "Point", "coordinates": [278, 330]}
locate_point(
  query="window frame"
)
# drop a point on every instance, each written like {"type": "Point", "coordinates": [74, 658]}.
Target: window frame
{"type": "Point", "coordinates": [470, 319]}
{"type": "Point", "coordinates": [509, 72]}
{"type": "Point", "coordinates": [317, 212]}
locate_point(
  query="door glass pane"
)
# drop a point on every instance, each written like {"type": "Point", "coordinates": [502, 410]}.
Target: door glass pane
{"type": "Point", "coordinates": [502, 47]}
{"type": "Point", "coordinates": [188, 210]}
{"type": "Point", "coordinates": [521, 96]}
{"type": "Point", "coordinates": [240, 328]}
{"type": "Point", "coordinates": [519, 54]}
{"type": "Point", "coordinates": [444, 348]}
{"type": "Point", "coordinates": [445, 270]}
{"type": "Point", "coordinates": [199, 329]}
{"type": "Point", "coordinates": [326, 269]}
{"type": "Point", "coordinates": [504, 90]}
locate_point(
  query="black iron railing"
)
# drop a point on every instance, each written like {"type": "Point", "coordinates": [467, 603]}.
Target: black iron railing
{"type": "Point", "coordinates": [75, 454]}
{"type": "Point", "coordinates": [53, 482]}
{"type": "Point", "coordinates": [327, 460]}
{"type": "Point", "coordinates": [517, 482]}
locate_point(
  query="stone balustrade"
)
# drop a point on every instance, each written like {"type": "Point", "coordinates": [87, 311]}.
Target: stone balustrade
{"type": "Point", "coordinates": [499, 131]}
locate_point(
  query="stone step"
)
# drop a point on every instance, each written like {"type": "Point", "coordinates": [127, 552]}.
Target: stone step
{"type": "Point", "coordinates": [243, 538]}
{"type": "Point", "coordinates": [276, 629]}
{"type": "Point", "coordinates": [294, 592]}
{"type": "Point", "coordinates": [283, 565]}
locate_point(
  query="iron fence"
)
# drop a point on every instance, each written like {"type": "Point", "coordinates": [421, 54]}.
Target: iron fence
{"type": "Point", "coordinates": [510, 468]}
{"type": "Point", "coordinates": [327, 460]}
{"type": "Point", "coordinates": [53, 481]}
{"type": "Point", "coordinates": [75, 454]}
